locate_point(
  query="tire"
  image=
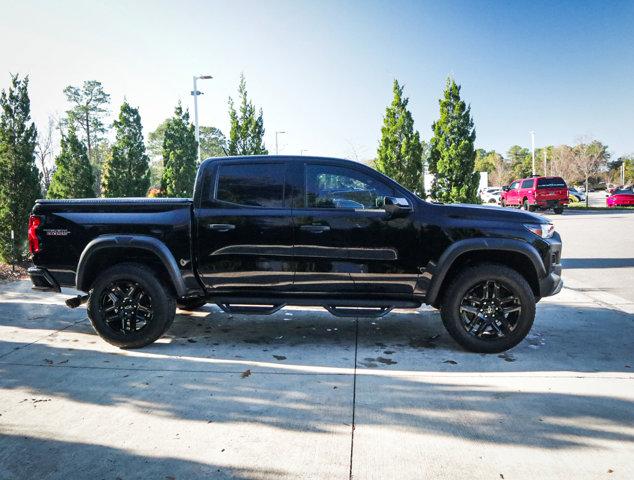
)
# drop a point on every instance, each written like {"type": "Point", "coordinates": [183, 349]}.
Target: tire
{"type": "Point", "coordinates": [490, 333]}
{"type": "Point", "coordinates": [526, 206]}
{"type": "Point", "coordinates": [144, 300]}
{"type": "Point", "coordinates": [558, 210]}
{"type": "Point", "coordinates": [191, 304]}
{"type": "Point", "coordinates": [502, 203]}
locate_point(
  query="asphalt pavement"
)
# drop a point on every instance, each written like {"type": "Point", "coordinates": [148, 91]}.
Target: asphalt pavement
{"type": "Point", "coordinates": [302, 394]}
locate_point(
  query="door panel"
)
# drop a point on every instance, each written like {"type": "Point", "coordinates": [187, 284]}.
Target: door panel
{"type": "Point", "coordinates": [244, 230]}
{"type": "Point", "coordinates": [362, 250]}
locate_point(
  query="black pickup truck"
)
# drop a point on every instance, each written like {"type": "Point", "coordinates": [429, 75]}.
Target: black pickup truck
{"type": "Point", "coordinates": [268, 231]}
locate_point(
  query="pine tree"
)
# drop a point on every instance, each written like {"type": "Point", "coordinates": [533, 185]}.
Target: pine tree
{"type": "Point", "coordinates": [247, 129]}
{"type": "Point", "coordinates": [452, 156]}
{"type": "Point", "coordinates": [126, 172]}
{"type": "Point", "coordinates": [179, 156]}
{"type": "Point", "coordinates": [19, 177]}
{"type": "Point", "coordinates": [73, 177]}
{"type": "Point", "coordinates": [400, 152]}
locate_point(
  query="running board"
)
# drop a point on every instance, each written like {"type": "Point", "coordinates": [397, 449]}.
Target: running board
{"type": "Point", "coordinates": [238, 309]}
{"type": "Point", "coordinates": [358, 311]}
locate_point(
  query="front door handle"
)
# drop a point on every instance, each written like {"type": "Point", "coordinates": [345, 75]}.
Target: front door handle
{"type": "Point", "coordinates": [220, 227]}
{"type": "Point", "coordinates": [315, 228]}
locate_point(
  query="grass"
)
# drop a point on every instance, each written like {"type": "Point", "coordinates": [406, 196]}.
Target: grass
{"type": "Point", "coordinates": [582, 206]}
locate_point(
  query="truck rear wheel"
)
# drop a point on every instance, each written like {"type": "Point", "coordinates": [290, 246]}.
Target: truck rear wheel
{"type": "Point", "coordinates": [488, 308]}
{"type": "Point", "coordinates": [129, 306]}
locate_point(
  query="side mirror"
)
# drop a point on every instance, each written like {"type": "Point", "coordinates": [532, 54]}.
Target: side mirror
{"type": "Point", "coordinates": [506, 188]}
{"type": "Point", "coordinates": [397, 206]}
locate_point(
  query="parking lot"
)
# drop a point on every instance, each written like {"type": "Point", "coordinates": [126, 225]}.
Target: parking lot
{"type": "Point", "coordinates": [302, 394]}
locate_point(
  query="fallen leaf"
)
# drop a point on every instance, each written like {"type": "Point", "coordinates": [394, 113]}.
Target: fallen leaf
{"type": "Point", "coordinates": [279, 357]}
{"type": "Point", "coordinates": [451, 362]}
{"type": "Point", "coordinates": [501, 476]}
{"type": "Point", "coordinates": [245, 374]}
{"type": "Point", "coordinates": [610, 471]}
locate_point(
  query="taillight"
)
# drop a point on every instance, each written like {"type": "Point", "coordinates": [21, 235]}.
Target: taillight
{"type": "Point", "coordinates": [34, 242]}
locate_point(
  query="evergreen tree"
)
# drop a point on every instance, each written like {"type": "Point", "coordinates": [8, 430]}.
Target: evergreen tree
{"type": "Point", "coordinates": [400, 152]}
{"type": "Point", "coordinates": [247, 129]}
{"type": "Point", "coordinates": [126, 172]}
{"type": "Point", "coordinates": [179, 156]}
{"type": "Point", "coordinates": [89, 108]}
{"type": "Point", "coordinates": [73, 177]}
{"type": "Point", "coordinates": [19, 177]}
{"type": "Point", "coordinates": [452, 156]}
{"type": "Point", "coordinates": [213, 143]}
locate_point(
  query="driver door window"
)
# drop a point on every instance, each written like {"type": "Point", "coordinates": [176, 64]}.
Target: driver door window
{"type": "Point", "coordinates": [330, 186]}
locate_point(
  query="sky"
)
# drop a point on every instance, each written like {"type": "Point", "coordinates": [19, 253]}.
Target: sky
{"type": "Point", "coordinates": [322, 71]}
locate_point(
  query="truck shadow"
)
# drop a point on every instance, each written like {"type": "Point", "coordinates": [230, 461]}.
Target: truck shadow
{"type": "Point", "coordinates": [57, 459]}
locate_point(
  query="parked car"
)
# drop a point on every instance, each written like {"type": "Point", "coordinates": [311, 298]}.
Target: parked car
{"type": "Point", "coordinates": [536, 193]}
{"type": "Point", "coordinates": [621, 198]}
{"type": "Point", "coordinates": [575, 195]}
{"type": "Point", "coordinates": [490, 195]}
{"type": "Point", "coordinates": [262, 232]}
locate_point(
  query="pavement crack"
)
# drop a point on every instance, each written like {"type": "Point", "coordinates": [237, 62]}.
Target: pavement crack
{"type": "Point", "coordinates": [26, 345]}
{"type": "Point", "coordinates": [354, 393]}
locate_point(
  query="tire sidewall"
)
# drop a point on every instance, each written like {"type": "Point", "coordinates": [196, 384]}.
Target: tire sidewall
{"type": "Point", "coordinates": [468, 279]}
{"type": "Point", "coordinates": [163, 306]}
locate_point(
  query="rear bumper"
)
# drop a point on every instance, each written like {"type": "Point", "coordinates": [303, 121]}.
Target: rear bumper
{"type": "Point", "coordinates": [551, 203]}
{"type": "Point", "coordinates": [43, 280]}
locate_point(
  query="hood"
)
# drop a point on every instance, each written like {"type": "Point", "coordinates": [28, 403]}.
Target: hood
{"type": "Point", "coordinates": [483, 212]}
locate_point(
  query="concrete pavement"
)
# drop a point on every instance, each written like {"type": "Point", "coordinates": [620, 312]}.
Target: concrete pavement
{"type": "Point", "coordinates": [302, 394]}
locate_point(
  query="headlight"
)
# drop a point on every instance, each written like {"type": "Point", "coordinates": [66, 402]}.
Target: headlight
{"type": "Point", "coordinates": [544, 230]}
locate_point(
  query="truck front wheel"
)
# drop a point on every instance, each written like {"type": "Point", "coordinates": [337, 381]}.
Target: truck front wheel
{"type": "Point", "coordinates": [129, 306]}
{"type": "Point", "coordinates": [488, 308]}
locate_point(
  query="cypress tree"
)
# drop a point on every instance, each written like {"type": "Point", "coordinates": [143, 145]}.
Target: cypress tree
{"type": "Point", "coordinates": [126, 171]}
{"type": "Point", "coordinates": [452, 156]}
{"type": "Point", "coordinates": [399, 155]}
{"type": "Point", "coordinates": [179, 156]}
{"type": "Point", "coordinates": [19, 177]}
{"type": "Point", "coordinates": [246, 136]}
{"type": "Point", "coordinates": [73, 177]}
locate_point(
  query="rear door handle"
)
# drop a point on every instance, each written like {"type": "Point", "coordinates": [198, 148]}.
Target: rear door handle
{"type": "Point", "coordinates": [220, 227]}
{"type": "Point", "coordinates": [315, 228]}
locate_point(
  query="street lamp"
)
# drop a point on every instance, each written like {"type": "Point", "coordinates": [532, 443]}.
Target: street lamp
{"type": "Point", "coordinates": [195, 94]}
{"type": "Point", "coordinates": [276, 134]}
{"type": "Point", "coordinates": [533, 149]}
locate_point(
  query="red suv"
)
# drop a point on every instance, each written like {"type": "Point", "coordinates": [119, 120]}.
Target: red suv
{"type": "Point", "coordinates": [536, 193]}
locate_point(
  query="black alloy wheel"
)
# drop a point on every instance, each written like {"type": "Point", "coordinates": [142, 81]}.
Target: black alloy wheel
{"type": "Point", "coordinates": [126, 306]}
{"type": "Point", "coordinates": [490, 310]}
{"type": "Point", "coordinates": [129, 305]}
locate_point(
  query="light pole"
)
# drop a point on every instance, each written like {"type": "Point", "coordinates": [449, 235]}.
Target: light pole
{"type": "Point", "coordinates": [195, 94]}
{"type": "Point", "coordinates": [276, 134]}
{"type": "Point", "coordinates": [533, 149]}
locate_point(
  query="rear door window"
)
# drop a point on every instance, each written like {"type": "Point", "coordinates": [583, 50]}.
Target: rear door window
{"type": "Point", "coordinates": [554, 182]}
{"type": "Point", "coordinates": [527, 183]}
{"type": "Point", "coordinates": [251, 185]}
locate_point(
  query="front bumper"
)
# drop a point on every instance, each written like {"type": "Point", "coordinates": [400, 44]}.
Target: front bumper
{"type": "Point", "coordinates": [43, 280]}
{"type": "Point", "coordinates": [552, 283]}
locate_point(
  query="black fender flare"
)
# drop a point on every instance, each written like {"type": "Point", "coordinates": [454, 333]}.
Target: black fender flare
{"type": "Point", "coordinates": [460, 247]}
{"type": "Point", "coordinates": [144, 242]}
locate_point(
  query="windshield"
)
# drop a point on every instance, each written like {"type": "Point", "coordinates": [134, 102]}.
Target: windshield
{"type": "Point", "coordinates": [554, 182]}
{"type": "Point", "coordinates": [623, 190]}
